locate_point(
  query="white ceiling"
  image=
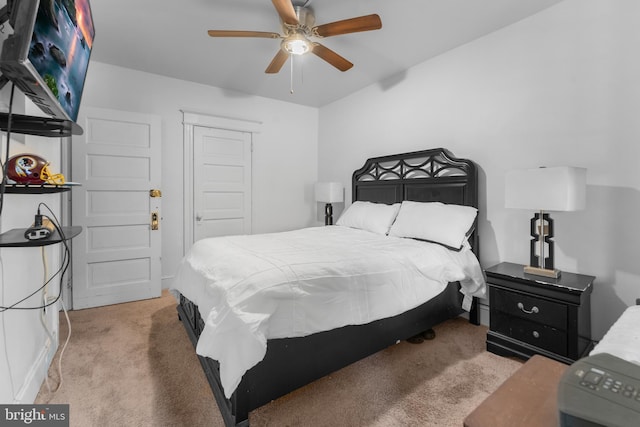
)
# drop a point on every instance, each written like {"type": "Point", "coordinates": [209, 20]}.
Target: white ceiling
{"type": "Point", "coordinates": [169, 37]}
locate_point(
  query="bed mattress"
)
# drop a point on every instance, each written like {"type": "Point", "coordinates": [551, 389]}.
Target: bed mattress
{"type": "Point", "coordinates": [256, 287]}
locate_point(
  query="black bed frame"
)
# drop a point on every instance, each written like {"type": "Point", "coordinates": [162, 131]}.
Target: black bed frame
{"type": "Point", "coordinates": [290, 363]}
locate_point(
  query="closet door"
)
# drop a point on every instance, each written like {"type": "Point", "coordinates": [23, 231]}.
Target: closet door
{"type": "Point", "coordinates": [221, 182]}
{"type": "Point", "coordinates": [217, 176]}
{"type": "Point", "coordinates": [117, 162]}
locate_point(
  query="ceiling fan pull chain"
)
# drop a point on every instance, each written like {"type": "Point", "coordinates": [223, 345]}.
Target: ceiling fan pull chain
{"type": "Point", "coordinates": [291, 75]}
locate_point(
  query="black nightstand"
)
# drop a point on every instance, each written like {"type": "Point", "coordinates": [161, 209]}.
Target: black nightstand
{"type": "Point", "coordinates": [538, 315]}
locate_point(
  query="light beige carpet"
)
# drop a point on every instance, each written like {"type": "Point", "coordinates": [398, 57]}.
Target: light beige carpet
{"type": "Point", "coordinates": [133, 365]}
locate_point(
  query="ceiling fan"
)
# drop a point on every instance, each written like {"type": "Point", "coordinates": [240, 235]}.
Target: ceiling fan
{"type": "Point", "coordinates": [298, 30]}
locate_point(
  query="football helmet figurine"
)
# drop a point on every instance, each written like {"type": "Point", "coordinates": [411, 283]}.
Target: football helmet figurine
{"type": "Point", "coordinates": [31, 169]}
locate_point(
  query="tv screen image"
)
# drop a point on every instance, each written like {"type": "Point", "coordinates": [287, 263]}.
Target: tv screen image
{"type": "Point", "coordinates": [60, 49]}
{"type": "Point", "coordinates": [48, 54]}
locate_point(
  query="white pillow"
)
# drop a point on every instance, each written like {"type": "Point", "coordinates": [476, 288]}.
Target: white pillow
{"type": "Point", "coordinates": [448, 225]}
{"type": "Point", "coordinates": [374, 217]}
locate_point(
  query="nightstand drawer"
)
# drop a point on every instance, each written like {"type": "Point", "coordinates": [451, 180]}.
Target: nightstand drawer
{"type": "Point", "coordinates": [529, 307]}
{"type": "Point", "coordinates": [533, 333]}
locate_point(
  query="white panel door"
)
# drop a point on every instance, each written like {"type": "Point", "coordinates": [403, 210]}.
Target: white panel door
{"type": "Point", "coordinates": [117, 161]}
{"type": "Point", "coordinates": [222, 182]}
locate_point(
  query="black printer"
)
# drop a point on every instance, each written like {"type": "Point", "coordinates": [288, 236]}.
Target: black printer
{"type": "Point", "coordinates": [600, 390]}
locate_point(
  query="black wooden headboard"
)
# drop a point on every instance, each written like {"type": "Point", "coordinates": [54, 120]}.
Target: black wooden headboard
{"type": "Point", "coordinates": [422, 176]}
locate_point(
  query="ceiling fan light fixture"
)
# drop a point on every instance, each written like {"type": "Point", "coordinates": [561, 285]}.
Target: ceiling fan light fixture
{"type": "Point", "coordinates": [299, 33]}
{"type": "Point", "coordinates": [296, 44]}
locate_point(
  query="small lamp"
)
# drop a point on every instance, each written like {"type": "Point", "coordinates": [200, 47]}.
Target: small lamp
{"type": "Point", "coordinates": [329, 192]}
{"type": "Point", "coordinates": [545, 189]}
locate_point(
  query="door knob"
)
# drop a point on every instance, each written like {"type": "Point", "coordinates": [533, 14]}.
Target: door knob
{"type": "Point", "coordinates": [155, 193]}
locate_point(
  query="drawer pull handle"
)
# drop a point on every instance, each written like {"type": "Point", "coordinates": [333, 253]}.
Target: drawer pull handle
{"type": "Point", "coordinates": [533, 310]}
{"type": "Point", "coordinates": [536, 334]}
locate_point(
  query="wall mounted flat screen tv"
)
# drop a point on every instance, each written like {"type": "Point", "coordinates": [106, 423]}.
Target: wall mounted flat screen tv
{"type": "Point", "coordinates": [47, 56]}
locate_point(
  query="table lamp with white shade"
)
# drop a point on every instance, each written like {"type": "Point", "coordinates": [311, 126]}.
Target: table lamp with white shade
{"type": "Point", "coordinates": [545, 189]}
{"type": "Point", "coordinates": [329, 192]}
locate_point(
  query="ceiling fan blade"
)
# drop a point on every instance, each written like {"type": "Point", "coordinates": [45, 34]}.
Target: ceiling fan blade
{"type": "Point", "coordinates": [277, 62]}
{"type": "Point", "coordinates": [346, 26]}
{"type": "Point", "coordinates": [331, 57]}
{"type": "Point", "coordinates": [286, 11]}
{"type": "Point", "coordinates": [232, 33]}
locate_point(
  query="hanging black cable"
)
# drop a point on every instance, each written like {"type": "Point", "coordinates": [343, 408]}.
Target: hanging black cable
{"type": "Point", "coordinates": [66, 261]}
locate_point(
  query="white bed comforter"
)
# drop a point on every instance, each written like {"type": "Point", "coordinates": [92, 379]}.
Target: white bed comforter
{"type": "Point", "coordinates": [252, 288]}
{"type": "Point", "coordinates": [623, 338]}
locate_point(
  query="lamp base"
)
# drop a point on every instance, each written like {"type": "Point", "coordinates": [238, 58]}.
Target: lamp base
{"type": "Point", "coordinates": [328, 214]}
{"type": "Point", "coordinates": [537, 271]}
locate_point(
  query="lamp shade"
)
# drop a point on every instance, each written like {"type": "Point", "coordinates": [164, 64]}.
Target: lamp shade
{"type": "Point", "coordinates": [329, 192]}
{"type": "Point", "coordinates": [550, 189]}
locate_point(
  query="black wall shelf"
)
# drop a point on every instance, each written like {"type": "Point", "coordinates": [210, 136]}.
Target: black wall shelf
{"type": "Point", "coordinates": [35, 189]}
{"type": "Point", "coordinates": [41, 126]}
{"type": "Point", "coordinates": [47, 127]}
{"type": "Point", "coordinates": [14, 238]}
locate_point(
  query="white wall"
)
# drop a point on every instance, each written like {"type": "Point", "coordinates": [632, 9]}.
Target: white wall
{"type": "Point", "coordinates": [558, 88]}
{"type": "Point", "coordinates": [284, 156]}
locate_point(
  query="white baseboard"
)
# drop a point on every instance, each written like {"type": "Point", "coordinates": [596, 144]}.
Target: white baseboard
{"type": "Point", "coordinates": [36, 375]}
{"type": "Point", "coordinates": [166, 282]}
{"type": "Point", "coordinates": [484, 314]}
